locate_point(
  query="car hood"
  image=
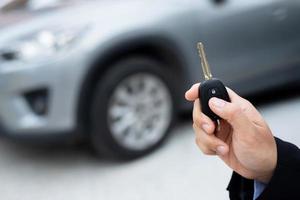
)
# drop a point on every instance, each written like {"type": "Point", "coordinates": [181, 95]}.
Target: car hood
{"type": "Point", "coordinates": [109, 16]}
{"type": "Point", "coordinates": [10, 16]}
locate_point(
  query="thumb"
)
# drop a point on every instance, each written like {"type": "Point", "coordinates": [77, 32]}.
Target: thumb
{"type": "Point", "coordinates": [231, 112]}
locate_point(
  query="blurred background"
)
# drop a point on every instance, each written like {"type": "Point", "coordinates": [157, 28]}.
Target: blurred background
{"type": "Point", "coordinates": [92, 92]}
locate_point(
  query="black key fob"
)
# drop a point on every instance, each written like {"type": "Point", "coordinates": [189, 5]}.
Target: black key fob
{"type": "Point", "coordinates": [208, 89]}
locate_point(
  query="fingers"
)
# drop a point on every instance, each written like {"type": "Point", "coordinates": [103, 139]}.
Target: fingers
{"type": "Point", "coordinates": [201, 120]}
{"type": "Point", "coordinates": [209, 144]}
{"type": "Point", "coordinates": [204, 128]}
{"type": "Point", "coordinates": [234, 97]}
{"type": "Point", "coordinates": [248, 109]}
{"type": "Point", "coordinates": [231, 112]}
{"type": "Point", "coordinates": [193, 93]}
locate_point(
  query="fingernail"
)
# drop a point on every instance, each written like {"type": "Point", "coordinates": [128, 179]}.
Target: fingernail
{"type": "Point", "coordinates": [218, 102]}
{"type": "Point", "coordinates": [221, 150]}
{"type": "Point", "coordinates": [205, 127]}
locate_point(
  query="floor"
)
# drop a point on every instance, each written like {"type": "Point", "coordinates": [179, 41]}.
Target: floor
{"type": "Point", "coordinates": [178, 170]}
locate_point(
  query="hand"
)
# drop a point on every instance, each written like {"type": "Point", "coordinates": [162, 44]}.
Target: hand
{"type": "Point", "coordinates": [244, 142]}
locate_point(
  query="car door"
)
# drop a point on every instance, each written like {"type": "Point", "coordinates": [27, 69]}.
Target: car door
{"type": "Point", "coordinates": [241, 40]}
{"type": "Point", "coordinates": [286, 17]}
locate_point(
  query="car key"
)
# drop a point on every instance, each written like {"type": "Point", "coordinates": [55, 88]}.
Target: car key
{"type": "Point", "coordinates": [211, 87]}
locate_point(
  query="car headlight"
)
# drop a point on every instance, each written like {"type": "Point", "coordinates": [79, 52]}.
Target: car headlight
{"type": "Point", "coordinates": [42, 44]}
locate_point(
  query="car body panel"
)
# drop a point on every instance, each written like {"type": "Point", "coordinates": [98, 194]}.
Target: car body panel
{"type": "Point", "coordinates": [250, 44]}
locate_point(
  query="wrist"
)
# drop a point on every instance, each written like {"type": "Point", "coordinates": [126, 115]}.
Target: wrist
{"type": "Point", "coordinates": [266, 176]}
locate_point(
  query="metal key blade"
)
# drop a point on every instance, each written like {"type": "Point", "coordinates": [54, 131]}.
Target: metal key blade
{"type": "Point", "coordinates": [204, 62]}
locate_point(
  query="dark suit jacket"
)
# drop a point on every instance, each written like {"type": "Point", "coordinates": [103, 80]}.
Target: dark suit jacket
{"type": "Point", "coordinates": [285, 183]}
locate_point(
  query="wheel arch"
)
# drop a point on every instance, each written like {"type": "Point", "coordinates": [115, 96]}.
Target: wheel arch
{"type": "Point", "coordinates": [159, 48]}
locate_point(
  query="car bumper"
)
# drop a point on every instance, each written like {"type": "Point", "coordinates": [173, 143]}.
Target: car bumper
{"type": "Point", "coordinates": [59, 80]}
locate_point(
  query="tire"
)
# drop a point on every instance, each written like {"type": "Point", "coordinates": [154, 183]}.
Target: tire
{"type": "Point", "coordinates": [109, 109]}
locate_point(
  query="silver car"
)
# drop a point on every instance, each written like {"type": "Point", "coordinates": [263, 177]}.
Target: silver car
{"type": "Point", "coordinates": [115, 72]}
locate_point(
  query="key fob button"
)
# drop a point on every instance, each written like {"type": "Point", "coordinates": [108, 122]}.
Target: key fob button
{"type": "Point", "coordinates": [213, 91]}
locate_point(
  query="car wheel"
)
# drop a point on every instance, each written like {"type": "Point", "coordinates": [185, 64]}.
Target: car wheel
{"type": "Point", "coordinates": [133, 108]}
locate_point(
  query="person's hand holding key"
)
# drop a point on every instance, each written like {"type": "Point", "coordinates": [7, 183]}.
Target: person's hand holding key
{"type": "Point", "coordinates": [244, 141]}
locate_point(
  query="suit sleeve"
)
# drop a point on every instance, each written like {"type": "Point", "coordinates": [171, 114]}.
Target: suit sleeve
{"type": "Point", "coordinates": [285, 182]}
